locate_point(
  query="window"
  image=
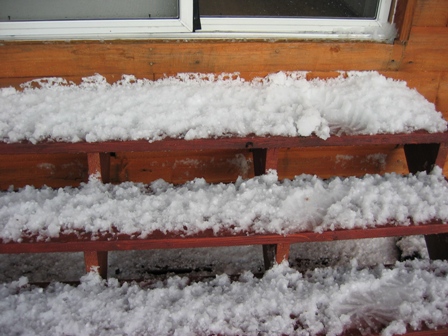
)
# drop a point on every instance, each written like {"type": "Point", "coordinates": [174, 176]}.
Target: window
{"type": "Point", "coordinates": [287, 8]}
{"type": "Point", "coordinates": [330, 19]}
{"type": "Point", "coordinates": [361, 19]}
{"type": "Point", "coordinates": [55, 19]}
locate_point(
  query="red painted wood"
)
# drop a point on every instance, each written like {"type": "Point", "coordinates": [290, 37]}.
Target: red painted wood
{"type": "Point", "coordinates": [265, 155]}
{"type": "Point", "coordinates": [222, 143]}
{"type": "Point", "coordinates": [282, 252]}
{"type": "Point", "coordinates": [113, 241]}
{"type": "Point", "coordinates": [441, 331]}
{"type": "Point", "coordinates": [99, 165]}
{"type": "Point", "coordinates": [96, 259]}
{"type": "Point", "coordinates": [271, 159]}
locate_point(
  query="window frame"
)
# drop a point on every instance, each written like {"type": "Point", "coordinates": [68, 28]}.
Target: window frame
{"type": "Point", "coordinates": [378, 29]}
{"type": "Point", "coordinates": [101, 28]}
{"type": "Point", "coordinates": [325, 28]}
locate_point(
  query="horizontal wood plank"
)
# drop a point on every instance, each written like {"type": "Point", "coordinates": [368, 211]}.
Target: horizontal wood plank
{"type": "Point", "coordinates": [117, 242]}
{"type": "Point", "coordinates": [426, 50]}
{"type": "Point", "coordinates": [146, 58]}
{"type": "Point", "coordinates": [346, 161]}
{"type": "Point", "coordinates": [431, 13]}
{"type": "Point", "coordinates": [60, 170]}
{"type": "Point", "coordinates": [54, 170]}
{"type": "Point", "coordinates": [181, 166]}
{"type": "Point", "coordinates": [250, 142]}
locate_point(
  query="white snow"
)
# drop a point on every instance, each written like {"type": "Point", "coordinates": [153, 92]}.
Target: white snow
{"type": "Point", "coordinates": [261, 204]}
{"type": "Point", "coordinates": [201, 106]}
{"type": "Point", "coordinates": [284, 301]}
{"type": "Point", "coordinates": [326, 300]}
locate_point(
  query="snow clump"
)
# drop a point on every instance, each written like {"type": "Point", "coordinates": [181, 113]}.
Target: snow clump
{"type": "Point", "coordinates": [260, 205]}
{"type": "Point", "coordinates": [193, 106]}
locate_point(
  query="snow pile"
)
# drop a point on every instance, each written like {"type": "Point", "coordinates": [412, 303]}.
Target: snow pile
{"type": "Point", "coordinates": [323, 301]}
{"type": "Point", "coordinates": [261, 204]}
{"type": "Point", "coordinates": [194, 106]}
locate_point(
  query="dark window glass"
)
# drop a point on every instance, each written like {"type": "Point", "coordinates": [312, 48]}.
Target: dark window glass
{"type": "Point", "coordinates": [289, 8]}
{"type": "Point", "coordinates": [39, 10]}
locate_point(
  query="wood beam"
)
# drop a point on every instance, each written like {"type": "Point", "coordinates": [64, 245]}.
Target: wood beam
{"type": "Point", "coordinates": [99, 166]}
{"type": "Point", "coordinates": [423, 157]}
{"type": "Point", "coordinates": [404, 15]}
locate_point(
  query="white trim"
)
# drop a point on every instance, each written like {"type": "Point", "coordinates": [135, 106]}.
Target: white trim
{"type": "Point", "coordinates": [99, 29]}
{"type": "Point", "coordinates": [212, 28]}
{"type": "Point", "coordinates": [362, 28]}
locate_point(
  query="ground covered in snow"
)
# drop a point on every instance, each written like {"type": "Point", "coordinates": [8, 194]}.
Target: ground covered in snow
{"type": "Point", "coordinates": [201, 106]}
{"type": "Point", "coordinates": [284, 301]}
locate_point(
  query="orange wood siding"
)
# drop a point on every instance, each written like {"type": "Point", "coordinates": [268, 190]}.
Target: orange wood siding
{"type": "Point", "coordinates": [431, 13]}
{"type": "Point", "coordinates": [421, 60]}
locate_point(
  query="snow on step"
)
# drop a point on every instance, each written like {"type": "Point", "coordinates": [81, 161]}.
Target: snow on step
{"type": "Point", "coordinates": [195, 106]}
{"type": "Point", "coordinates": [284, 302]}
{"type": "Point", "coordinates": [261, 204]}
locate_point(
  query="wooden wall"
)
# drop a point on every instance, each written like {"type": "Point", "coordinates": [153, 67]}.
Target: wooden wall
{"type": "Point", "coordinates": [419, 56]}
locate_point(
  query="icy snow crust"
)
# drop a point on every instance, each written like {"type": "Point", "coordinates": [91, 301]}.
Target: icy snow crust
{"type": "Point", "coordinates": [261, 204]}
{"type": "Point", "coordinates": [195, 106]}
{"type": "Point", "coordinates": [284, 302]}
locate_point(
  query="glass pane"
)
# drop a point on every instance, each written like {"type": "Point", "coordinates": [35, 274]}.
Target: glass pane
{"type": "Point", "coordinates": [289, 8]}
{"type": "Point", "coordinates": [30, 10]}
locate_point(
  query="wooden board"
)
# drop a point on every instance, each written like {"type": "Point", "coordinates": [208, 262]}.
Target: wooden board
{"type": "Point", "coordinates": [180, 167]}
{"type": "Point", "coordinates": [348, 161]}
{"type": "Point", "coordinates": [229, 143]}
{"type": "Point", "coordinates": [427, 50]}
{"type": "Point", "coordinates": [54, 170]}
{"type": "Point", "coordinates": [222, 160]}
{"type": "Point", "coordinates": [146, 59]}
{"type": "Point", "coordinates": [442, 95]}
{"type": "Point", "coordinates": [431, 13]}
{"type": "Point", "coordinates": [403, 17]}
{"type": "Point", "coordinates": [158, 240]}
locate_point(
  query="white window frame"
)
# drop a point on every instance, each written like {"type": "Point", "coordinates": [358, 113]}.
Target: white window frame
{"type": "Point", "coordinates": [99, 29]}
{"type": "Point", "coordinates": [378, 29]}
{"type": "Point", "coordinates": [353, 28]}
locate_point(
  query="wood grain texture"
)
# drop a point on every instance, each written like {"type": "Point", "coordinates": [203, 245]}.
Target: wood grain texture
{"type": "Point", "coordinates": [431, 13]}
{"type": "Point", "coordinates": [426, 50]}
{"type": "Point", "coordinates": [181, 166]}
{"type": "Point", "coordinates": [344, 162]}
{"type": "Point", "coordinates": [53, 170]}
{"type": "Point", "coordinates": [59, 170]}
{"type": "Point", "coordinates": [149, 59]}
